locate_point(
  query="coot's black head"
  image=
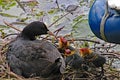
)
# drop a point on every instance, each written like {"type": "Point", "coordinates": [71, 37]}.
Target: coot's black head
{"type": "Point", "coordinates": [34, 29]}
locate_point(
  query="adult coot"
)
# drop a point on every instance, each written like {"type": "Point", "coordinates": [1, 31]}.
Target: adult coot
{"type": "Point", "coordinates": [30, 57]}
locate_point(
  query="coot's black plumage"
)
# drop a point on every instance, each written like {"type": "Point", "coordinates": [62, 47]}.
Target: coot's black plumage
{"type": "Point", "coordinates": [93, 57]}
{"type": "Point", "coordinates": [34, 29]}
{"type": "Point", "coordinates": [54, 69]}
{"type": "Point", "coordinates": [73, 59]}
{"type": "Point", "coordinates": [28, 56]}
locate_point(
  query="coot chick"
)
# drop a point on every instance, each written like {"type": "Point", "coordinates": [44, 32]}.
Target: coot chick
{"type": "Point", "coordinates": [71, 55]}
{"type": "Point", "coordinates": [28, 57]}
{"type": "Point", "coordinates": [63, 44]}
{"type": "Point", "coordinates": [73, 59]}
{"type": "Point", "coordinates": [93, 57]}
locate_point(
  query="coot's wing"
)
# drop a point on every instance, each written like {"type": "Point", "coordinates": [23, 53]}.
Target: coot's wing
{"type": "Point", "coordinates": [52, 53]}
{"type": "Point", "coordinates": [27, 56]}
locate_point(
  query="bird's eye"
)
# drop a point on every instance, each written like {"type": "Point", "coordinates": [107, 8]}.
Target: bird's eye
{"type": "Point", "coordinates": [9, 48]}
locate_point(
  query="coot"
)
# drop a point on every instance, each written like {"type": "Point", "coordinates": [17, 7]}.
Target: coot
{"type": "Point", "coordinates": [30, 57]}
{"type": "Point", "coordinates": [73, 59]}
{"type": "Point", "coordinates": [93, 57]}
{"type": "Point", "coordinates": [71, 55]}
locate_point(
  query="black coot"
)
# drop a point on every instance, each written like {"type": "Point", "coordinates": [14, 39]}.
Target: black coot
{"type": "Point", "coordinates": [30, 57]}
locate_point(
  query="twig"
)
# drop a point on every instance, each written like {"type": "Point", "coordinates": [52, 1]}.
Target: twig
{"type": "Point", "coordinates": [3, 46]}
{"type": "Point", "coordinates": [57, 4]}
{"type": "Point", "coordinates": [58, 19]}
{"type": "Point", "coordinates": [15, 75]}
{"type": "Point", "coordinates": [58, 30]}
{"type": "Point", "coordinates": [11, 26]}
{"type": "Point", "coordinates": [10, 35]}
{"type": "Point", "coordinates": [20, 5]}
{"type": "Point", "coordinates": [84, 40]}
{"type": "Point", "coordinates": [111, 54]}
{"type": "Point", "coordinates": [106, 46]}
{"type": "Point", "coordinates": [21, 23]}
{"type": "Point", "coordinates": [12, 73]}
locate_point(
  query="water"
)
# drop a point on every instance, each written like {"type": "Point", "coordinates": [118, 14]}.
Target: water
{"type": "Point", "coordinates": [46, 6]}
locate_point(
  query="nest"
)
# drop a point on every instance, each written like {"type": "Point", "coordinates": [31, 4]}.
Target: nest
{"type": "Point", "coordinates": [110, 73]}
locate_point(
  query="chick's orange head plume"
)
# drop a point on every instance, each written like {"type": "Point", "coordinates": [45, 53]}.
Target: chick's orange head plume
{"type": "Point", "coordinates": [85, 51]}
{"type": "Point", "coordinates": [63, 40]}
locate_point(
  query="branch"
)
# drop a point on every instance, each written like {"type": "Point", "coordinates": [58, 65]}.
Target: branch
{"type": "Point", "coordinates": [20, 5]}
{"type": "Point", "coordinates": [11, 26]}
{"type": "Point", "coordinates": [58, 30]}
{"type": "Point", "coordinates": [84, 40]}
{"type": "Point", "coordinates": [10, 35]}
{"type": "Point", "coordinates": [57, 4]}
{"type": "Point", "coordinates": [58, 19]}
{"type": "Point", "coordinates": [114, 54]}
{"type": "Point", "coordinates": [15, 75]}
{"type": "Point", "coordinates": [105, 47]}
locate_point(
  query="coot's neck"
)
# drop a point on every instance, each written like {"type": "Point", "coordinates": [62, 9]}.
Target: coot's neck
{"type": "Point", "coordinates": [27, 37]}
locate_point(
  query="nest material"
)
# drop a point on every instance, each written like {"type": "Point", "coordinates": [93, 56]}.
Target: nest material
{"type": "Point", "coordinates": [110, 73]}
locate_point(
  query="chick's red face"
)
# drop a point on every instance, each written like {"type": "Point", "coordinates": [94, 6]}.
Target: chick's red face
{"type": "Point", "coordinates": [67, 51]}
{"type": "Point", "coordinates": [84, 50]}
{"type": "Point", "coordinates": [63, 40]}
